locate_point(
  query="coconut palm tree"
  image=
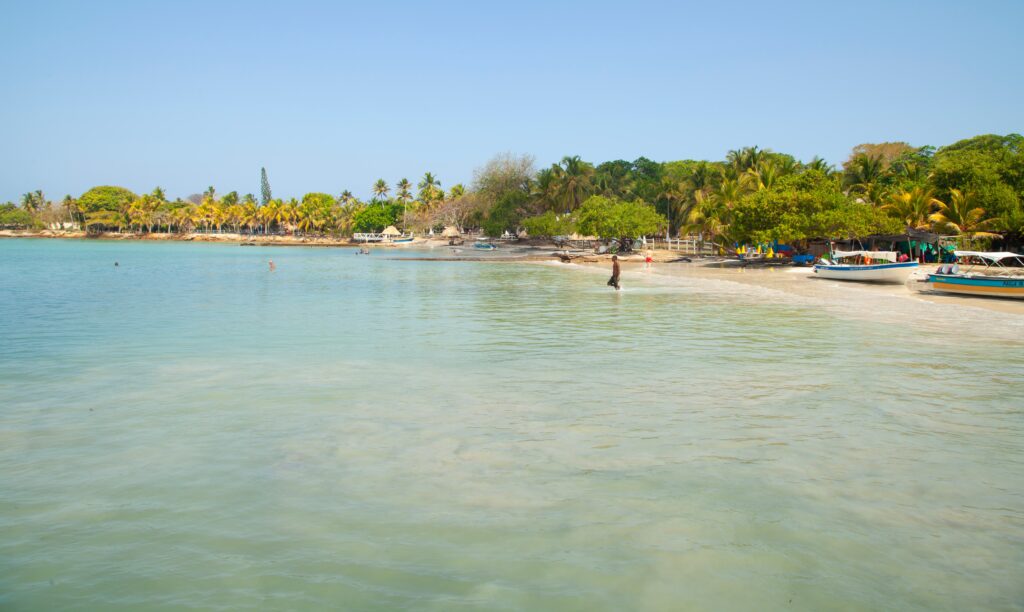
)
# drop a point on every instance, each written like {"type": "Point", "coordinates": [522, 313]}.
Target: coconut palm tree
{"type": "Point", "coordinates": [710, 217]}
{"type": "Point", "coordinates": [33, 201]}
{"type": "Point", "coordinates": [430, 188]}
{"type": "Point", "coordinates": [380, 191]}
{"type": "Point", "coordinates": [543, 189]}
{"type": "Point", "coordinates": [183, 218]}
{"type": "Point", "coordinates": [346, 198]}
{"type": "Point", "coordinates": [250, 215]}
{"type": "Point", "coordinates": [744, 159]}
{"type": "Point", "coordinates": [761, 176]}
{"type": "Point", "coordinates": [913, 207]}
{"type": "Point", "coordinates": [677, 197]}
{"type": "Point", "coordinates": [863, 177]}
{"type": "Point", "coordinates": [573, 181]}
{"type": "Point", "coordinates": [70, 206]}
{"type": "Point", "coordinates": [291, 213]}
{"type": "Point", "coordinates": [271, 213]}
{"type": "Point", "coordinates": [405, 195]}
{"type": "Point", "coordinates": [820, 165]}
{"type": "Point", "coordinates": [962, 216]}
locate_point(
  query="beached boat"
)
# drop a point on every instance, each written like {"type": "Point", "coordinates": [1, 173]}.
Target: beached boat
{"type": "Point", "coordinates": [403, 240]}
{"type": "Point", "coordinates": [866, 266]}
{"type": "Point", "coordinates": [487, 246]}
{"type": "Point", "coordinates": [982, 274]}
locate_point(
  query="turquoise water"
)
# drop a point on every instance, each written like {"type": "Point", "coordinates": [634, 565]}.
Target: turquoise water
{"type": "Point", "coordinates": [189, 429]}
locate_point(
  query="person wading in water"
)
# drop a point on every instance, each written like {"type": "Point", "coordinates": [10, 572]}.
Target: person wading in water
{"type": "Point", "coordinates": [614, 280]}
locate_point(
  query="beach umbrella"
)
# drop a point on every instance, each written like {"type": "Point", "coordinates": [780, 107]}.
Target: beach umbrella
{"type": "Point", "coordinates": [451, 232]}
{"type": "Point", "coordinates": [391, 230]}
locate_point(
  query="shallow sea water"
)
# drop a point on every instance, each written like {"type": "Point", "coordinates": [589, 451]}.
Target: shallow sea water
{"type": "Point", "coordinates": [189, 429]}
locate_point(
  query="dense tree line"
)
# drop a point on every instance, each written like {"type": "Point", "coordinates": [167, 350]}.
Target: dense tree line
{"type": "Point", "coordinates": [972, 188]}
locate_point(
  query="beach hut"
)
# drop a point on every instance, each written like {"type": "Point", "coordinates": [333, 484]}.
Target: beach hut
{"type": "Point", "coordinates": [391, 231]}
{"type": "Point", "coordinates": [451, 232]}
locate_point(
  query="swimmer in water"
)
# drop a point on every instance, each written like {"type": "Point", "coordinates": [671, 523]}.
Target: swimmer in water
{"type": "Point", "coordinates": [272, 266]}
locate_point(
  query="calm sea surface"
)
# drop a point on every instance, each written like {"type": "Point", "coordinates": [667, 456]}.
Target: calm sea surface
{"type": "Point", "coordinates": [189, 429]}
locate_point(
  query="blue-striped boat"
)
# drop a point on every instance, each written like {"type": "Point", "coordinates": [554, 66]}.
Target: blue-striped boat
{"type": "Point", "coordinates": [866, 266]}
{"type": "Point", "coordinates": [982, 274]}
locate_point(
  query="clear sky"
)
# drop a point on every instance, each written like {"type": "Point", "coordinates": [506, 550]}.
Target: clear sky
{"type": "Point", "coordinates": [330, 96]}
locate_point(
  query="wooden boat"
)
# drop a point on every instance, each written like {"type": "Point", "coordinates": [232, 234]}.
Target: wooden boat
{"type": "Point", "coordinates": [982, 274]}
{"type": "Point", "coordinates": [866, 267]}
{"type": "Point", "coordinates": [403, 240]}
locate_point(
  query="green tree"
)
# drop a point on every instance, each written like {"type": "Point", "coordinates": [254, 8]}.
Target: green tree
{"type": "Point", "coordinates": [15, 217]}
{"type": "Point", "coordinates": [612, 218]}
{"type": "Point", "coordinates": [507, 214]}
{"type": "Point", "coordinates": [373, 219]}
{"type": "Point", "coordinates": [550, 224]}
{"type": "Point", "coordinates": [105, 198]}
{"type": "Point", "coordinates": [265, 194]}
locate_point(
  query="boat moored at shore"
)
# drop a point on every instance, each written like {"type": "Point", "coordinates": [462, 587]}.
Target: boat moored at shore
{"type": "Point", "coordinates": [866, 266]}
{"type": "Point", "coordinates": [979, 273]}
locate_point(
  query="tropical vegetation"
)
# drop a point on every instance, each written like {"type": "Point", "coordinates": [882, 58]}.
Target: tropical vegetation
{"type": "Point", "coordinates": [973, 189]}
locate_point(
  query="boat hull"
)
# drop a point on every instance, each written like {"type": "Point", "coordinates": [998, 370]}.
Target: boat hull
{"type": "Point", "coordinates": [875, 273]}
{"type": "Point", "coordinates": [983, 286]}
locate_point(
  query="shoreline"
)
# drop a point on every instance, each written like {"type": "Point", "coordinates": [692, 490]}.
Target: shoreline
{"type": "Point", "coordinates": [796, 282]}
{"type": "Point", "coordinates": [799, 285]}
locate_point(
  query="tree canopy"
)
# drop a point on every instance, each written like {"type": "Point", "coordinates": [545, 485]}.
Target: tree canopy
{"type": "Point", "coordinates": [105, 197]}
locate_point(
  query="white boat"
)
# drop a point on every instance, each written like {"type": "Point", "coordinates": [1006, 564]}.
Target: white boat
{"type": "Point", "coordinates": [866, 266]}
{"type": "Point", "coordinates": [982, 274]}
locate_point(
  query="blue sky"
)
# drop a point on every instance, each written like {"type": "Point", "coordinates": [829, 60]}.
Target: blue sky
{"type": "Point", "coordinates": [331, 96]}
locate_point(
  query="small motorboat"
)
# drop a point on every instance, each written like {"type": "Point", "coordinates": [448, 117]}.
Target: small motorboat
{"type": "Point", "coordinates": [982, 274]}
{"type": "Point", "coordinates": [866, 267]}
{"type": "Point", "coordinates": [486, 246]}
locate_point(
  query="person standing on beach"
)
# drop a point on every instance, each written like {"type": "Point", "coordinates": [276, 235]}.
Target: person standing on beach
{"type": "Point", "coordinates": [614, 280]}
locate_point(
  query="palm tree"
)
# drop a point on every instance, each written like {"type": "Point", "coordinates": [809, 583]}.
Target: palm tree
{"type": "Point", "coordinates": [744, 159]}
{"type": "Point", "coordinates": [820, 165]}
{"type": "Point", "coordinates": [962, 216]}
{"type": "Point", "coordinates": [544, 188]}
{"type": "Point", "coordinates": [270, 213]}
{"type": "Point", "coordinates": [346, 198]}
{"type": "Point", "coordinates": [429, 187]}
{"type": "Point", "coordinates": [182, 218]}
{"type": "Point", "coordinates": [380, 190]}
{"type": "Point", "coordinates": [71, 207]}
{"type": "Point", "coordinates": [572, 177]}
{"type": "Point", "coordinates": [405, 195]}
{"type": "Point", "coordinates": [457, 191]}
{"type": "Point", "coordinates": [33, 201]}
{"type": "Point", "coordinates": [710, 217]}
{"type": "Point", "coordinates": [761, 176]}
{"type": "Point", "coordinates": [913, 207]}
{"type": "Point", "coordinates": [250, 215]}
{"type": "Point", "coordinates": [291, 213]}
{"type": "Point", "coordinates": [863, 176]}
{"type": "Point", "coordinates": [677, 196]}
